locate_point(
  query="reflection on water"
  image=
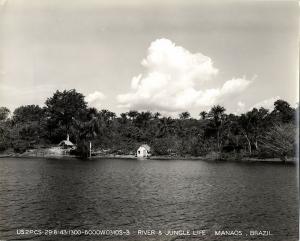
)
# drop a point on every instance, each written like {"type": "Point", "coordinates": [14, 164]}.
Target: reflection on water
{"type": "Point", "coordinates": [132, 194]}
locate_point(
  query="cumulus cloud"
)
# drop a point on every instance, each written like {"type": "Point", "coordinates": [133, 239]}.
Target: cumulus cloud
{"type": "Point", "coordinates": [267, 103]}
{"type": "Point", "coordinates": [94, 99]}
{"type": "Point", "coordinates": [174, 80]}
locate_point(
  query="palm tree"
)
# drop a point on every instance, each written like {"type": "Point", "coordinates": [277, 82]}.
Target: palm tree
{"type": "Point", "coordinates": [132, 114]}
{"type": "Point", "coordinates": [217, 111]}
{"type": "Point", "coordinates": [203, 115]}
{"type": "Point", "coordinates": [123, 117]}
{"type": "Point", "coordinates": [107, 115]}
{"type": "Point", "coordinates": [166, 126]}
{"type": "Point", "coordinates": [157, 115]}
{"type": "Point", "coordinates": [184, 115]}
{"type": "Point", "coordinates": [217, 114]}
{"type": "Point", "coordinates": [143, 118]}
{"type": "Point", "coordinates": [86, 131]}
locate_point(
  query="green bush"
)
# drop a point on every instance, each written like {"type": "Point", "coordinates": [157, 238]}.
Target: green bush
{"type": "Point", "coordinates": [161, 146]}
{"type": "Point", "coordinates": [20, 146]}
{"type": "Point", "coordinates": [3, 146]}
{"type": "Point", "coordinates": [82, 150]}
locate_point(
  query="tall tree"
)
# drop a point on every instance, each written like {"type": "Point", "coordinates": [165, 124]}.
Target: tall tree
{"type": "Point", "coordinates": [62, 107]}
{"type": "Point", "coordinates": [86, 131]}
{"type": "Point", "coordinates": [166, 127]}
{"type": "Point", "coordinates": [4, 113]}
{"type": "Point", "coordinates": [123, 118]}
{"type": "Point", "coordinates": [28, 113]}
{"type": "Point", "coordinates": [252, 124]}
{"type": "Point", "coordinates": [132, 114]}
{"type": "Point", "coordinates": [5, 128]}
{"type": "Point", "coordinates": [28, 127]}
{"type": "Point", "coordinates": [203, 115]}
{"type": "Point", "coordinates": [107, 115]}
{"type": "Point", "coordinates": [143, 118]}
{"type": "Point", "coordinates": [283, 111]}
{"type": "Point", "coordinates": [156, 115]}
{"type": "Point", "coordinates": [217, 115]}
{"type": "Point", "coordinates": [280, 140]}
{"type": "Point", "coordinates": [184, 115]}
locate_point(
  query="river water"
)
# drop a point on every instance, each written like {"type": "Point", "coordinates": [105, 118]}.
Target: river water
{"type": "Point", "coordinates": [132, 195]}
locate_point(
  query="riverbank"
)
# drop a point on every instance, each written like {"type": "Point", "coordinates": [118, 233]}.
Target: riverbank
{"type": "Point", "coordinates": [211, 158]}
{"type": "Point", "coordinates": [244, 159]}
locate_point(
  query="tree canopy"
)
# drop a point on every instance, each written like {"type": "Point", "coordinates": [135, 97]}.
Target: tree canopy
{"type": "Point", "coordinates": [61, 109]}
{"type": "Point", "coordinates": [4, 113]}
{"type": "Point", "coordinates": [257, 132]}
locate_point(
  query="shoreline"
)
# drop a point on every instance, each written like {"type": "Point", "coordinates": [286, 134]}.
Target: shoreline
{"type": "Point", "coordinates": [292, 160]}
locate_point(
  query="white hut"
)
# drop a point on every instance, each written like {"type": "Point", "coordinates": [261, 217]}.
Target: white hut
{"type": "Point", "coordinates": [143, 151]}
{"type": "Point", "coordinates": [66, 143]}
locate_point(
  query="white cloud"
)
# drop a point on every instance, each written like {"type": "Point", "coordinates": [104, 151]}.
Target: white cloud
{"type": "Point", "coordinates": [94, 99]}
{"type": "Point", "coordinates": [241, 107]}
{"type": "Point", "coordinates": [234, 85]}
{"type": "Point", "coordinates": [169, 82]}
{"type": "Point", "coordinates": [268, 103]}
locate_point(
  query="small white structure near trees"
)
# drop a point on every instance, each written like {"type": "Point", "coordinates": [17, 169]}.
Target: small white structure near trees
{"type": "Point", "coordinates": [143, 151]}
{"type": "Point", "coordinates": [66, 144]}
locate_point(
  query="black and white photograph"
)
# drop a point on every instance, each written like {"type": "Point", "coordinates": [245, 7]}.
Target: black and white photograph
{"type": "Point", "coordinates": [145, 120]}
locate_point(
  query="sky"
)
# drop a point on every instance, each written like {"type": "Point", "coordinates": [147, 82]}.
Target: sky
{"type": "Point", "coordinates": [166, 56]}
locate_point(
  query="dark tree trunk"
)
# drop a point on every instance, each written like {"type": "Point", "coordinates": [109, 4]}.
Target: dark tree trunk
{"type": "Point", "coordinates": [283, 158]}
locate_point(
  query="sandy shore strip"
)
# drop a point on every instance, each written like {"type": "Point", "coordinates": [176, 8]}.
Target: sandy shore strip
{"type": "Point", "coordinates": [162, 158]}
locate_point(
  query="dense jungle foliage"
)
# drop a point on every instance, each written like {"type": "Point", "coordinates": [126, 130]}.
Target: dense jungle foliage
{"type": "Point", "coordinates": [258, 132]}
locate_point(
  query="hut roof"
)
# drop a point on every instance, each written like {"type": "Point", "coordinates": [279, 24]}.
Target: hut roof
{"type": "Point", "coordinates": [66, 142]}
{"type": "Point", "coordinates": [146, 147]}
